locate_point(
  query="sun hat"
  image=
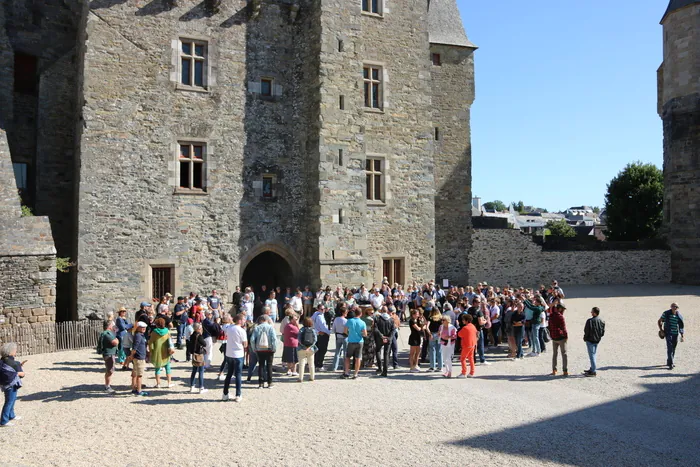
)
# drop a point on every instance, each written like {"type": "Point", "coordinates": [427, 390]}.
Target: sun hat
{"type": "Point", "coordinates": [141, 324]}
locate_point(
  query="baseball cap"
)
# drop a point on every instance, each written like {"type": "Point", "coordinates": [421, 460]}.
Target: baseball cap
{"type": "Point", "coordinates": [144, 304]}
{"type": "Point", "coordinates": [141, 324]}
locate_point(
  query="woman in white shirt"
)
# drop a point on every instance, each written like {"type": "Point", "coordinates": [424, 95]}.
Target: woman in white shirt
{"type": "Point", "coordinates": [495, 314]}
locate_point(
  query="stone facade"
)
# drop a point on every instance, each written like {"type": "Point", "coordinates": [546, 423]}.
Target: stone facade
{"type": "Point", "coordinates": [281, 115]}
{"type": "Point", "coordinates": [679, 108]}
{"type": "Point", "coordinates": [505, 256]}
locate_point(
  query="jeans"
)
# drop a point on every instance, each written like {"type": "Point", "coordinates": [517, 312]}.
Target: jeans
{"type": "Point", "coordinates": [180, 332]}
{"type": "Point", "coordinates": [496, 333]}
{"type": "Point", "coordinates": [252, 363]}
{"type": "Point", "coordinates": [518, 335]}
{"type": "Point", "coordinates": [435, 352]}
{"type": "Point", "coordinates": [265, 367]}
{"type": "Point", "coordinates": [480, 346]}
{"type": "Point", "coordinates": [671, 343]}
{"type": "Point", "coordinates": [235, 368]}
{"type": "Point", "coordinates": [383, 357]}
{"type": "Point", "coordinates": [341, 348]}
{"type": "Point", "coordinates": [592, 351]}
{"type": "Point", "coordinates": [322, 345]}
{"type": "Point", "coordinates": [543, 344]}
{"type": "Point", "coordinates": [195, 370]}
{"type": "Point", "coordinates": [535, 338]}
{"type": "Point", "coordinates": [8, 409]}
{"type": "Point", "coordinates": [556, 345]}
{"type": "Point", "coordinates": [395, 350]}
{"type": "Point", "coordinates": [304, 357]}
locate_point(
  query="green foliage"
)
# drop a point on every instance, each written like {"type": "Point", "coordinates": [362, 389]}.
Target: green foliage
{"type": "Point", "coordinates": [560, 229]}
{"type": "Point", "coordinates": [634, 203]}
{"type": "Point", "coordinates": [26, 211]}
{"type": "Point", "coordinates": [497, 205]}
{"type": "Point", "coordinates": [596, 210]}
{"type": "Point", "coordinates": [63, 264]}
{"type": "Point", "coordinates": [519, 206]}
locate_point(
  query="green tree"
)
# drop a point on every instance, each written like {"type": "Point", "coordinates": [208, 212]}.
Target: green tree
{"type": "Point", "coordinates": [634, 203]}
{"type": "Point", "coordinates": [519, 206]}
{"type": "Point", "coordinates": [596, 210]}
{"type": "Point", "coordinates": [561, 229]}
{"type": "Point", "coordinates": [497, 205]}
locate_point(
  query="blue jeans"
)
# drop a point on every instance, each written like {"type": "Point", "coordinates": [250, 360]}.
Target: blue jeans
{"type": "Point", "coordinates": [8, 409]}
{"type": "Point", "coordinates": [435, 352]}
{"type": "Point", "coordinates": [395, 350]}
{"type": "Point", "coordinates": [480, 346]}
{"type": "Point", "coordinates": [535, 338]}
{"type": "Point", "coordinates": [592, 351]}
{"type": "Point", "coordinates": [252, 363]}
{"type": "Point", "coordinates": [235, 368]}
{"type": "Point", "coordinates": [671, 343]}
{"type": "Point", "coordinates": [518, 335]}
{"type": "Point", "coordinates": [341, 347]}
{"type": "Point", "coordinates": [180, 332]}
{"type": "Point", "coordinates": [195, 371]}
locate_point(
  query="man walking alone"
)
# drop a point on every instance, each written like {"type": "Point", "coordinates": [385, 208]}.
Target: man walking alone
{"type": "Point", "coordinates": [593, 332]}
{"type": "Point", "coordinates": [671, 325]}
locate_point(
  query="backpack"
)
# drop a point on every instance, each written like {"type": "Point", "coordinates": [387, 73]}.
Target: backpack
{"type": "Point", "coordinates": [100, 342]}
{"type": "Point", "coordinates": [7, 374]}
{"type": "Point", "coordinates": [263, 342]}
{"type": "Point", "coordinates": [307, 337]}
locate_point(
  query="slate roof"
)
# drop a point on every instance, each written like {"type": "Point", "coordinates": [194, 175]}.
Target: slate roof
{"type": "Point", "coordinates": [677, 5]}
{"type": "Point", "coordinates": [445, 24]}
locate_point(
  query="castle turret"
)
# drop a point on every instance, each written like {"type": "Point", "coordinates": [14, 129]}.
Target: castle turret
{"type": "Point", "coordinates": [679, 108]}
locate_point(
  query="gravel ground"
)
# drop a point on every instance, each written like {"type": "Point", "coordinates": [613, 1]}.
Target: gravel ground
{"type": "Point", "coordinates": [636, 412]}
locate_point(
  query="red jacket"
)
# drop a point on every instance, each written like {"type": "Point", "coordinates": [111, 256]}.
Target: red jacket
{"type": "Point", "coordinates": [557, 325]}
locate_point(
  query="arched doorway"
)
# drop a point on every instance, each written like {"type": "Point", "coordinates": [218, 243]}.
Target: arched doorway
{"type": "Point", "coordinates": [270, 269]}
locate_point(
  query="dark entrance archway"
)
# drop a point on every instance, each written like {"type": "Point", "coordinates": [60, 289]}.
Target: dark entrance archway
{"type": "Point", "coordinates": [270, 269]}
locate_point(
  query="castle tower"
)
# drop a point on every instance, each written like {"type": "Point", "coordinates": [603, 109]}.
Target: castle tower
{"type": "Point", "coordinates": [679, 108]}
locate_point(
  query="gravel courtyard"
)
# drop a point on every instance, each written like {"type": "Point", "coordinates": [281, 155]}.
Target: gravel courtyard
{"type": "Point", "coordinates": [636, 412]}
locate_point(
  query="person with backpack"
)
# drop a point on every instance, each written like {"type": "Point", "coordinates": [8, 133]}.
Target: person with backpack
{"type": "Point", "coordinates": [384, 328]}
{"type": "Point", "coordinates": [290, 338]}
{"type": "Point", "coordinates": [264, 344]}
{"type": "Point", "coordinates": [11, 374]}
{"type": "Point", "coordinates": [107, 346]}
{"type": "Point", "coordinates": [197, 348]}
{"type": "Point", "coordinates": [160, 349]}
{"type": "Point", "coordinates": [671, 326]}
{"type": "Point", "coordinates": [307, 348]}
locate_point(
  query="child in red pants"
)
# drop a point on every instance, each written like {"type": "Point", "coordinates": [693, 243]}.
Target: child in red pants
{"type": "Point", "coordinates": [468, 337]}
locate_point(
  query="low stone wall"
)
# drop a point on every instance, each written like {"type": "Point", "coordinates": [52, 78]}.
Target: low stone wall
{"type": "Point", "coordinates": [505, 256]}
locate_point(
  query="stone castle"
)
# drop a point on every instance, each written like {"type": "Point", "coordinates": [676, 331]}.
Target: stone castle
{"type": "Point", "coordinates": [679, 108]}
{"type": "Point", "coordinates": [181, 145]}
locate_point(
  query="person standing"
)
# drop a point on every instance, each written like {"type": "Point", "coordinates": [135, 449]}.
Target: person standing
{"type": "Point", "coordinates": [210, 331]}
{"type": "Point", "coordinates": [434, 347]}
{"type": "Point", "coordinates": [290, 339]}
{"type": "Point", "coordinates": [138, 357]}
{"type": "Point", "coordinates": [108, 344]}
{"type": "Point", "coordinates": [124, 328]}
{"type": "Point", "coordinates": [160, 349]}
{"type": "Point", "coordinates": [296, 302]}
{"type": "Point", "coordinates": [214, 302]}
{"type": "Point", "coordinates": [308, 338]}
{"type": "Point", "coordinates": [593, 332]}
{"type": "Point", "coordinates": [415, 324]}
{"type": "Point", "coordinates": [264, 343]}
{"type": "Point", "coordinates": [671, 325]}
{"type": "Point", "coordinates": [517, 321]}
{"type": "Point", "coordinates": [308, 298]}
{"type": "Point", "coordinates": [341, 342]}
{"type": "Point", "coordinates": [13, 372]}
{"type": "Point", "coordinates": [236, 299]}
{"type": "Point", "coordinates": [559, 335]}
{"type": "Point", "coordinates": [384, 329]}
{"type": "Point", "coordinates": [468, 335]}
{"type": "Point", "coordinates": [180, 318]}
{"type": "Point", "coordinates": [197, 347]}
{"type": "Point", "coordinates": [236, 343]}
{"type": "Point", "coordinates": [272, 303]}
{"type": "Point", "coordinates": [356, 330]}
{"type": "Point", "coordinates": [324, 334]}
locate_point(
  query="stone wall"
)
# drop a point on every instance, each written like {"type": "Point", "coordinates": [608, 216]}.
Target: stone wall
{"type": "Point", "coordinates": [508, 257]}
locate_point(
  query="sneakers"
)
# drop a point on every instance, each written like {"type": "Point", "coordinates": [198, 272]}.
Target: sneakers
{"type": "Point", "coordinates": [193, 390]}
{"type": "Point", "coordinates": [470, 376]}
{"type": "Point", "coordinates": [8, 424]}
{"type": "Point", "coordinates": [109, 390]}
{"type": "Point", "coordinates": [589, 373]}
{"type": "Point", "coordinates": [430, 369]}
{"type": "Point", "coordinates": [17, 418]}
{"type": "Point", "coordinates": [294, 374]}
{"type": "Point", "coordinates": [566, 373]}
{"type": "Point", "coordinates": [486, 363]}
{"type": "Point", "coordinates": [553, 373]}
{"type": "Point", "coordinates": [222, 377]}
{"type": "Point", "coordinates": [237, 398]}
{"type": "Point", "coordinates": [289, 373]}
{"type": "Point", "coordinates": [531, 354]}
{"type": "Point", "coordinates": [345, 376]}
{"type": "Point", "coordinates": [269, 386]}
{"type": "Point", "coordinates": [168, 386]}
{"type": "Point", "coordinates": [225, 397]}
{"type": "Point", "coordinates": [142, 393]}
{"type": "Point", "coordinates": [414, 370]}
{"type": "Point", "coordinates": [461, 376]}
{"type": "Point", "coordinates": [202, 390]}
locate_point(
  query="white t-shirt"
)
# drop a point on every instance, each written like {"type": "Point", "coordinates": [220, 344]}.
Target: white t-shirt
{"type": "Point", "coordinates": [377, 300]}
{"type": "Point", "coordinates": [296, 303]}
{"type": "Point", "coordinates": [272, 303]}
{"type": "Point", "coordinates": [235, 338]}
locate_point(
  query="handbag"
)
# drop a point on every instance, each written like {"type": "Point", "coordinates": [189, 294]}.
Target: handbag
{"type": "Point", "coordinates": [546, 336]}
{"type": "Point", "coordinates": [198, 359]}
{"type": "Point", "coordinates": [662, 334]}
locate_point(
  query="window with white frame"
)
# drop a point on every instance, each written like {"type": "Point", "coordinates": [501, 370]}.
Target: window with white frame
{"type": "Point", "coordinates": [193, 63]}
{"type": "Point", "coordinates": [191, 160]}
{"type": "Point", "coordinates": [372, 76]}
{"type": "Point", "coordinates": [375, 179]}
{"type": "Point", "coordinates": [372, 6]}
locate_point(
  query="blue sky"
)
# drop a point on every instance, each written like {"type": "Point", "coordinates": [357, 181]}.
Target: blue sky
{"type": "Point", "coordinates": [565, 96]}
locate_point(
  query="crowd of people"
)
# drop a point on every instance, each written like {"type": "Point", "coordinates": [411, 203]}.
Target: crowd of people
{"type": "Point", "coordinates": [445, 324]}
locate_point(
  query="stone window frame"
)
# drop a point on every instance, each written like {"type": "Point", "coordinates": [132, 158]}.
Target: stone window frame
{"type": "Point", "coordinates": [380, 6]}
{"type": "Point", "coordinates": [147, 274]}
{"type": "Point", "coordinates": [209, 68]}
{"type": "Point", "coordinates": [273, 186]}
{"type": "Point", "coordinates": [206, 165]}
{"type": "Point", "coordinates": [391, 278]}
{"type": "Point", "coordinates": [436, 59]}
{"type": "Point", "coordinates": [255, 87]}
{"type": "Point", "coordinates": [383, 80]}
{"type": "Point", "coordinates": [384, 179]}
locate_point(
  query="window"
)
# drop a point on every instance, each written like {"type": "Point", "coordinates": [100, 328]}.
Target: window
{"type": "Point", "coordinates": [25, 73]}
{"type": "Point", "coordinates": [191, 162]}
{"type": "Point", "coordinates": [373, 172]}
{"type": "Point", "coordinates": [268, 184]}
{"type": "Point", "coordinates": [372, 76]}
{"type": "Point", "coordinates": [193, 63]}
{"type": "Point", "coordinates": [266, 88]}
{"type": "Point", "coordinates": [436, 60]}
{"type": "Point", "coordinates": [161, 281]}
{"type": "Point", "coordinates": [22, 179]}
{"type": "Point", "coordinates": [341, 103]}
{"type": "Point", "coordinates": [372, 6]}
{"type": "Point", "coordinates": [341, 45]}
{"type": "Point", "coordinates": [392, 269]}
{"type": "Point", "coordinates": [340, 157]}
{"type": "Point", "coordinates": [437, 134]}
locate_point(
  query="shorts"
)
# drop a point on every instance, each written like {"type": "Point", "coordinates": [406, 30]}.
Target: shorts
{"type": "Point", "coordinates": [414, 341]}
{"type": "Point", "coordinates": [167, 369]}
{"type": "Point", "coordinates": [354, 350]}
{"type": "Point", "coordinates": [139, 367]}
{"type": "Point", "coordinates": [109, 364]}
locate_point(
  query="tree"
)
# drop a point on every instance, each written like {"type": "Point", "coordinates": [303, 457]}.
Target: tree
{"type": "Point", "coordinates": [634, 203]}
{"type": "Point", "coordinates": [561, 229]}
{"type": "Point", "coordinates": [518, 207]}
{"type": "Point", "coordinates": [497, 206]}
{"type": "Point", "coordinates": [596, 210]}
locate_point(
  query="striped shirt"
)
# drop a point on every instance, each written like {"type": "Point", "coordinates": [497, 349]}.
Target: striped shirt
{"type": "Point", "coordinates": [670, 322]}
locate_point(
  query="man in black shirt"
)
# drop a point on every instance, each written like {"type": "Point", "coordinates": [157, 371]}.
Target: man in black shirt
{"type": "Point", "coordinates": [477, 313]}
{"type": "Point", "coordinates": [180, 319]}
